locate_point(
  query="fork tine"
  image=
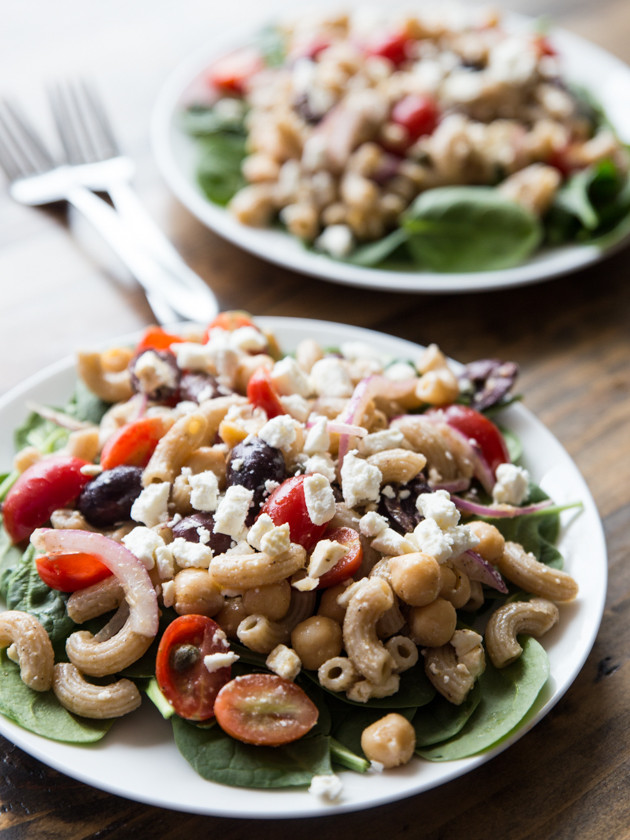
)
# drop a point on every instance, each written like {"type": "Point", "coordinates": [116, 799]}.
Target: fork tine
{"type": "Point", "coordinates": [23, 149]}
{"type": "Point", "coordinates": [70, 133]}
{"type": "Point", "coordinates": [82, 123]}
{"type": "Point", "coordinates": [101, 126]}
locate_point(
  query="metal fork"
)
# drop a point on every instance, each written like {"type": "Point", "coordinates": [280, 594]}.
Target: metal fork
{"type": "Point", "coordinates": [35, 179]}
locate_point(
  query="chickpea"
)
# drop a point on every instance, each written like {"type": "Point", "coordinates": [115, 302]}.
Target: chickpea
{"type": "Point", "coordinates": [328, 605]}
{"type": "Point", "coordinates": [391, 740]}
{"type": "Point", "coordinates": [415, 578]}
{"type": "Point", "coordinates": [434, 624]}
{"type": "Point", "coordinates": [491, 540]}
{"type": "Point", "coordinates": [231, 615]}
{"type": "Point", "coordinates": [196, 593]}
{"type": "Point", "coordinates": [316, 639]}
{"type": "Point", "coordinates": [271, 600]}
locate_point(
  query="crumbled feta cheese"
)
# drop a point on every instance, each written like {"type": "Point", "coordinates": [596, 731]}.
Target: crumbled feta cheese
{"type": "Point", "coordinates": [336, 240]}
{"type": "Point", "coordinates": [143, 543]}
{"type": "Point", "coordinates": [327, 787]}
{"type": "Point", "coordinates": [330, 378]}
{"type": "Point", "coordinates": [263, 525]}
{"type": "Point", "coordinates": [432, 540]}
{"type": "Point", "coordinates": [439, 507]}
{"type": "Point", "coordinates": [360, 481]}
{"type": "Point", "coordinates": [270, 485]}
{"type": "Point", "coordinates": [284, 662]}
{"type": "Point", "coordinates": [462, 539]}
{"type": "Point", "coordinates": [317, 437]}
{"type": "Point", "coordinates": [322, 463]}
{"type": "Point", "coordinates": [325, 555]}
{"type": "Point", "coordinates": [153, 372]}
{"type": "Point", "coordinates": [296, 406]}
{"type": "Point", "coordinates": [164, 562]}
{"type": "Point", "coordinates": [388, 492]}
{"type": "Point", "coordinates": [392, 543]}
{"type": "Point", "coordinates": [277, 541]}
{"type": "Point", "coordinates": [400, 371]}
{"type": "Point", "coordinates": [376, 767]}
{"type": "Point", "coordinates": [360, 350]}
{"type": "Point", "coordinates": [512, 484]}
{"type": "Point", "coordinates": [305, 584]}
{"type": "Point", "coordinates": [232, 511]}
{"type": "Point", "coordinates": [372, 524]}
{"type": "Point", "coordinates": [319, 498]}
{"type": "Point", "coordinates": [190, 355]}
{"type": "Point", "coordinates": [248, 340]}
{"type": "Point", "coordinates": [289, 378]}
{"type": "Point", "coordinates": [150, 507]}
{"type": "Point", "coordinates": [204, 491]}
{"type": "Point", "coordinates": [381, 441]}
{"type": "Point", "coordinates": [189, 554]}
{"type": "Point", "coordinates": [168, 593]}
{"type": "Point", "coordinates": [216, 661]}
{"type": "Point", "coordinates": [279, 432]}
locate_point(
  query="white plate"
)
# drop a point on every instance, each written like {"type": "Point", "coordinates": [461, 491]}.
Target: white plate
{"type": "Point", "coordinates": [138, 758]}
{"type": "Point", "coordinates": [584, 64]}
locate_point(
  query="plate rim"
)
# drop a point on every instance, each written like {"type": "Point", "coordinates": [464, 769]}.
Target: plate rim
{"type": "Point", "coordinates": [40, 748]}
{"type": "Point", "coordinates": [280, 248]}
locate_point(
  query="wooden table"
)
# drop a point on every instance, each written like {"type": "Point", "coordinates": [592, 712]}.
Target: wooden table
{"type": "Point", "coordinates": [567, 778]}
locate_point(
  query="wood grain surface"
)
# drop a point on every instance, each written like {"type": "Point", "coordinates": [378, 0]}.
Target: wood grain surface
{"type": "Point", "coordinates": [570, 776]}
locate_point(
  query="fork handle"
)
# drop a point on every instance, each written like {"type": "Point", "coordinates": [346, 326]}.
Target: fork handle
{"type": "Point", "coordinates": [188, 300]}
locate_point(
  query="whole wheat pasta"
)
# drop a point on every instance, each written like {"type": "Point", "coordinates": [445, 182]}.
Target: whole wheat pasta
{"type": "Point", "coordinates": [95, 600]}
{"type": "Point", "coordinates": [112, 386]}
{"type": "Point", "coordinates": [100, 658]}
{"type": "Point", "coordinates": [258, 633]}
{"type": "Point", "coordinates": [368, 603]}
{"type": "Point", "coordinates": [177, 445]}
{"type": "Point", "coordinates": [523, 569]}
{"type": "Point", "coordinates": [246, 571]}
{"type": "Point", "coordinates": [32, 647]}
{"type": "Point", "coordinates": [100, 702]}
{"type": "Point", "coordinates": [533, 617]}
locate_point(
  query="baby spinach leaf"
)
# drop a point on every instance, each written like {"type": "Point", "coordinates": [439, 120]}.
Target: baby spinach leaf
{"type": "Point", "coordinates": [10, 558]}
{"type": "Point", "coordinates": [40, 433]}
{"type": "Point", "coordinates": [271, 42]}
{"type": "Point", "coordinates": [507, 695]}
{"type": "Point", "coordinates": [219, 758]}
{"type": "Point", "coordinates": [463, 229]}
{"type": "Point", "coordinates": [219, 171]}
{"type": "Point", "coordinates": [26, 591]}
{"type": "Point", "coordinates": [85, 405]}
{"type": "Point", "coordinates": [41, 712]}
{"type": "Point", "coordinates": [349, 723]}
{"type": "Point", "coordinates": [203, 120]}
{"type": "Point", "coordinates": [375, 253]}
{"type": "Point", "coordinates": [441, 720]}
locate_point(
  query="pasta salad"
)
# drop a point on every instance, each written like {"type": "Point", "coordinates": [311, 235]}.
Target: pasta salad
{"type": "Point", "coordinates": [309, 561]}
{"type": "Point", "coordinates": [381, 138]}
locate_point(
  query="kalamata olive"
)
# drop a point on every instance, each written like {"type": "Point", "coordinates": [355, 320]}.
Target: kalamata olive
{"type": "Point", "coordinates": [108, 498]}
{"type": "Point", "coordinates": [488, 381]}
{"type": "Point", "coordinates": [401, 508]}
{"type": "Point", "coordinates": [251, 464]}
{"type": "Point", "coordinates": [155, 374]}
{"type": "Point", "coordinates": [189, 527]}
{"type": "Point", "coordinates": [198, 386]}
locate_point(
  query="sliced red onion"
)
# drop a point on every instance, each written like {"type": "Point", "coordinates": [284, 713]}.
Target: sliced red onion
{"type": "Point", "coordinates": [133, 576]}
{"type": "Point", "coordinates": [499, 511]}
{"type": "Point", "coordinates": [473, 565]}
{"type": "Point", "coordinates": [339, 428]}
{"type": "Point", "coordinates": [458, 485]}
{"type": "Point", "coordinates": [65, 421]}
{"type": "Point", "coordinates": [366, 390]}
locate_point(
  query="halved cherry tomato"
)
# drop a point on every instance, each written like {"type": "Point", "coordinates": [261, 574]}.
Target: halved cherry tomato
{"type": "Point", "coordinates": [264, 709]}
{"type": "Point", "coordinates": [478, 427]}
{"type": "Point", "coordinates": [180, 671]}
{"type": "Point", "coordinates": [231, 320]}
{"type": "Point", "coordinates": [155, 338]}
{"type": "Point", "coordinates": [350, 561]}
{"type": "Point", "coordinates": [417, 113]}
{"type": "Point", "coordinates": [262, 394]}
{"type": "Point", "coordinates": [69, 572]}
{"type": "Point", "coordinates": [288, 504]}
{"type": "Point", "coordinates": [391, 45]}
{"type": "Point", "coordinates": [133, 444]}
{"type": "Point", "coordinates": [231, 72]}
{"type": "Point", "coordinates": [51, 483]}
{"type": "Point", "coordinates": [544, 46]}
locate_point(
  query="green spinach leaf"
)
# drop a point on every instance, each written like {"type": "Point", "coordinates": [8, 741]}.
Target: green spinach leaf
{"type": "Point", "coordinates": [41, 712]}
{"type": "Point", "coordinates": [10, 558]}
{"type": "Point", "coordinates": [507, 695]}
{"type": "Point", "coordinates": [536, 532]}
{"type": "Point", "coordinates": [464, 229]}
{"type": "Point", "coordinates": [375, 253]}
{"type": "Point", "coordinates": [219, 171]}
{"type": "Point", "coordinates": [441, 720]}
{"type": "Point", "coordinates": [219, 758]}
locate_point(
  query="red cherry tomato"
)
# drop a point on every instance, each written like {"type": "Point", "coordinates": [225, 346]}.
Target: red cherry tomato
{"type": "Point", "coordinates": [69, 572]}
{"type": "Point", "coordinates": [288, 504]}
{"type": "Point", "coordinates": [133, 444]}
{"type": "Point", "coordinates": [391, 45]}
{"type": "Point", "coordinates": [418, 114]}
{"type": "Point", "coordinates": [180, 671]}
{"type": "Point", "coordinates": [350, 561]}
{"type": "Point", "coordinates": [544, 46]}
{"type": "Point", "coordinates": [51, 483]}
{"type": "Point", "coordinates": [264, 709]}
{"type": "Point", "coordinates": [231, 73]}
{"type": "Point", "coordinates": [262, 394]}
{"type": "Point", "coordinates": [234, 319]}
{"type": "Point", "coordinates": [155, 338]}
{"type": "Point", "coordinates": [477, 427]}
